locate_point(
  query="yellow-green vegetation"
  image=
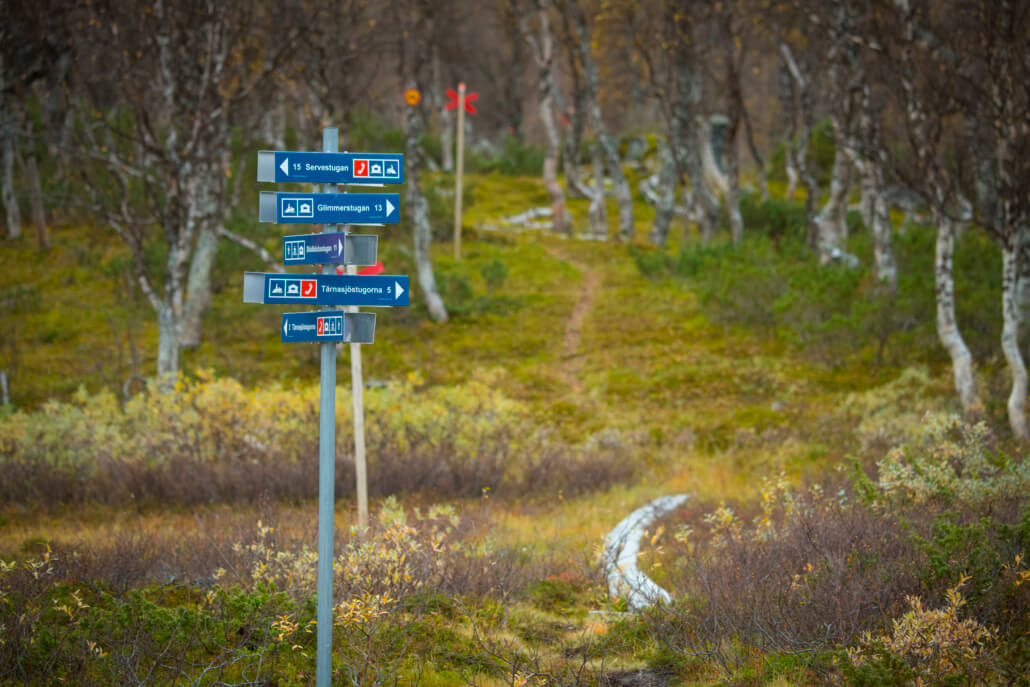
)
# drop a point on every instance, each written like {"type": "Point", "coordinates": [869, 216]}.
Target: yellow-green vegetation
{"type": "Point", "coordinates": [135, 519]}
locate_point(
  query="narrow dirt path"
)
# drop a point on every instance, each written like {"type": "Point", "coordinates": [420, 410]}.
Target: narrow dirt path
{"type": "Point", "coordinates": [571, 372]}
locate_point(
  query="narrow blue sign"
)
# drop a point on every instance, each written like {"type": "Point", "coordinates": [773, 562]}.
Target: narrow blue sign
{"type": "Point", "coordinates": [330, 168]}
{"type": "Point", "coordinates": [335, 248]}
{"type": "Point", "coordinates": [333, 325]}
{"type": "Point", "coordinates": [329, 208]}
{"type": "Point", "coordinates": [382, 290]}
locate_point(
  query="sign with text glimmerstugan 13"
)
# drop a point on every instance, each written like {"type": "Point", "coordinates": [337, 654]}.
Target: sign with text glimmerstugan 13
{"type": "Point", "coordinates": [329, 208]}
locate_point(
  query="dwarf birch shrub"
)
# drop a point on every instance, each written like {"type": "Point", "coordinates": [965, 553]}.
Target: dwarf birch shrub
{"type": "Point", "coordinates": [210, 439]}
{"type": "Point", "coordinates": [952, 462]}
{"type": "Point", "coordinates": [936, 646]}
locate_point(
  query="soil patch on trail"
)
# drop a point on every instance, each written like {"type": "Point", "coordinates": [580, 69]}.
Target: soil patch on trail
{"type": "Point", "coordinates": [574, 327]}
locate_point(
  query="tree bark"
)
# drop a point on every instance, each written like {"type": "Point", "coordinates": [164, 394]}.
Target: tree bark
{"type": "Point", "coordinates": [883, 251]}
{"type": "Point", "coordinates": [598, 209]}
{"type": "Point", "coordinates": [167, 345]}
{"type": "Point", "coordinates": [446, 125]}
{"type": "Point", "coordinates": [559, 218]}
{"type": "Point", "coordinates": [610, 149]}
{"type": "Point", "coordinates": [832, 221]}
{"type": "Point", "coordinates": [542, 43]}
{"type": "Point", "coordinates": [787, 102]}
{"type": "Point", "coordinates": [199, 287]}
{"type": "Point", "coordinates": [666, 199]}
{"type": "Point", "coordinates": [8, 131]}
{"type": "Point", "coordinates": [707, 214]}
{"type": "Point", "coordinates": [39, 219]}
{"type": "Point", "coordinates": [419, 209]}
{"type": "Point", "coordinates": [733, 191]}
{"type": "Point", "coordinates": [1010, 335]}
{"type": "Point", "coordinates": [947, 324]}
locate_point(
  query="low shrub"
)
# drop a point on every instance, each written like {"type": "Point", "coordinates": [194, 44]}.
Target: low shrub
{"type": "Point", "coordinates": [210, 440]}
{"type": "Point", "coordinates": [874, 566]}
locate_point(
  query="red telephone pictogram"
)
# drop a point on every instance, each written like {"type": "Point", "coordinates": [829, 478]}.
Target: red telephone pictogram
{"type": "Point", "coordinates": [321, 326]}
{"type": "Point", "coordinates": [361, 168]}
{"type": "Point", "coordinates": [308, 288]}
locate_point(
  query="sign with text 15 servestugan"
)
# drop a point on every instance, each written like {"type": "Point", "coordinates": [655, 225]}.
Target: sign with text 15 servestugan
{"type": "Point", "coordinates": [330, 168]}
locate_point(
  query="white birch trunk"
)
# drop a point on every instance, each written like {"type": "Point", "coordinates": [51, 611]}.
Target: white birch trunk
{"type": "Point", "coordinates": [559, 214]}
{"type": "Point", "coordinates": [666, 205]}
{"type": "Point", "coordinates": [947, 325]}
{"type": "Point", "coordinates": [1016, 405]}
{"type": "Point", "coordinates": [419, 209]}
{"type": "Point", "coordinates": [598, 209]}
{"type": "Point", "coordinates": [39, 219]}
{"type": "Point", "coordinates": [883, 250]}
{"type": "Point", "coordinates": [832, 221]}
{"type": "Point", "coordinates": [446, 126]}
{"type": "Point", "coordinates": [610, 149]}
{"type": "Point", "coordinates": [733, 191]}
{"type": "Point", "coordinates": [542, 44]}
{"type": "Point", "coordinates": [167, 345]}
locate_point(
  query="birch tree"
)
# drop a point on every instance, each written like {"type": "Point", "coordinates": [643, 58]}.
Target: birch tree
{"type": "Point", "coordinates": [927, 76]}
{"type": "Point", "coordinates": [416, 21]}
{"type": "Point", "coordinates": [797, 93]}
{"type": "Point", "coordinates": [536, 28]}
{"type": "Point", "coordinates": [996, 95]}
{"type": "Point", "coordinates": [163, 86]}
{"type": "Point", "coordinates": [583, 44]}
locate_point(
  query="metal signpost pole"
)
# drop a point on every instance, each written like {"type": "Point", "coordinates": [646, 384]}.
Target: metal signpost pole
{"type": "Point", "coordinates": [326, 479]}
{"type": "Point", "coordinates": [330, 327]}
{"type": "Point", "coordinates": [460, 169]}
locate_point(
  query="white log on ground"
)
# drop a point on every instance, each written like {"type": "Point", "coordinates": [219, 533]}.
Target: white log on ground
{"type": "Point", "coordinates": [622, 550]}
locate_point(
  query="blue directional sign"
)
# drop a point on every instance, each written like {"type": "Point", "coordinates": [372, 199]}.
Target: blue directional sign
{"type": "Point", "coordinates": [330, 168]}
{"type": "Point", "coordinates": [325, 289]}
{"type": "Point", "coordinates": [324, 249]}
{"type": "Point", "coordinates": [329, 208]}
{"type": "Point", "coordinates": [333, 325]}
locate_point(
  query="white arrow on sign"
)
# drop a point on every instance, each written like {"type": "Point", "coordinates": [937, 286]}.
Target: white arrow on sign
{"type": "Point", "coordinates": [389, 208]}
{"type": "Point", "coordinates": [285, 325]}
{"type": "Point", "coordinates": [398, 289]}
{"type": "Point", "coordinates": [285, 166]}
{"type": "Point", "coordinates": [339, 247]}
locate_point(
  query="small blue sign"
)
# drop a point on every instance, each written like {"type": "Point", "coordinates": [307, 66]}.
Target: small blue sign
{"type": "Point", "coordinates": [329, 208]}
{"type": "Point", "coordinates": [333, 325]}
{"type": "Point", "coordinates": [331, 168]}
{"type": "Point", "coordinates": [382, 290]}
{"type": "Point", "coordinates": [325, 249]}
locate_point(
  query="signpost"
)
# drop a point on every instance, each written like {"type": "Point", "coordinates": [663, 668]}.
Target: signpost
{"type": "Point", "coordinates": [461, 103]}
{"type": "Point", "coordinates": [332, 326]}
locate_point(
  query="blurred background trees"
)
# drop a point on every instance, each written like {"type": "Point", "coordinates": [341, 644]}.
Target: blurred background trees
{"type": "Point", "coordinates": [144, 117]}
